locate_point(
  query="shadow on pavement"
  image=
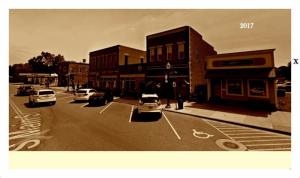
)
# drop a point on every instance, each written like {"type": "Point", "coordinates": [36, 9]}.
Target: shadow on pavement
{"type": "Point", "coordinates": [146, 117]}
{"type": "Point", "coordinates": [40, 105]}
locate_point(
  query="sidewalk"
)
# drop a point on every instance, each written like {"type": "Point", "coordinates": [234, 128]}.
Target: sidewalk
{"type": "Point", "coordinates": [276, 120]}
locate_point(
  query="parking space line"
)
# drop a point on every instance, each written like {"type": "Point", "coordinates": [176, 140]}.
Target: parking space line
{"type": "Point", "coordinates": [105, 108]}
{"type": "Point", "coordinates": [171, 126]}
{"type": "Point", "coordinates": [131, 114]}
{"type": "Point", "coordinates": [242, 132]}
{"type": "Point", "coordinates": [84, 105]}
{"type": "Point", "coordinates": [252, 134]}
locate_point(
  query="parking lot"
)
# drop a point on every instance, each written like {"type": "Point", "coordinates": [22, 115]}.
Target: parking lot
{"type": "Point", "coordinates": [116, 126]}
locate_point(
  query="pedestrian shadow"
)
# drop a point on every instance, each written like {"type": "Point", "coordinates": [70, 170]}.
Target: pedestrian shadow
{"type": "Point", "coordinates": [145, 117]}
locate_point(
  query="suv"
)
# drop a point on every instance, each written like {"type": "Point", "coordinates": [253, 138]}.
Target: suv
{"type": "Point", "coordinates": [84, 94]}
{"type": "Point", "coordinates": [24, 90]}
{"type": "Point", "coordinates": [42, 96]}
{"type": "Point", "coordinates": [149, 103]}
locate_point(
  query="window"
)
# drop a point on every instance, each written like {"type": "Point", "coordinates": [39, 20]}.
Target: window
{"type": "Point", "coordinates": [152, 54]}
{"type": "Point", "coordinates": [126, 59]}
{"type": "Point", "coordinates": [142, 60]}
{"type": "Point", "coordinates": [180, 50]}
{"type": "Point", "coordinates": [257, 88]}
{"type": "Point", "coordinates": [169, 52]}
{"type": "Point", "coordinates": [159, 53]}
{"type": "Point", "coordinates": [234, 87]}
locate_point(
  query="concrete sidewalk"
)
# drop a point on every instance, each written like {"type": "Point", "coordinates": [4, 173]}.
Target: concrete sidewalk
{"type": "Point", "coordinates": [276, 120]}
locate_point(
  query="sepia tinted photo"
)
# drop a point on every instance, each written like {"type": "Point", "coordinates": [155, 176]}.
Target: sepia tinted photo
{"type": "Point", "coordinates": [150, 80]}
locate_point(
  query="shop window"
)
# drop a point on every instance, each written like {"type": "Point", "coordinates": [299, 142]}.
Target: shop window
{"type": "Point", "coordinates": [257, 88]}
{"type": "Point", "coordinates": [181, 50]}
{"type": "Point", "coordinates": [152, 54]}
{"type": "Point", "coordinates": [169, 52]}
{"type": "Point", "coordinates": [234, 87]}
{"type": "Point", "coordinates": [159, 53]}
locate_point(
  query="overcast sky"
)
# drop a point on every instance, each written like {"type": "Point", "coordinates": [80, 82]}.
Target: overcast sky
{"type": "Point", "coordinates": [75, 33]}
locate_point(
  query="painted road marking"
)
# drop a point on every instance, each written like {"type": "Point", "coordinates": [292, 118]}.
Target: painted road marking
{"type": "Point", "coordinates": [264, 140]}
{"type": "Point", "coordinates": [201, 135]}
{"type": "Point", "coordinates": [131, 113]}
{"type": "Point", "coordinates": [84, 105]}
{"type": "Point", "coordinates": [29, 134]}
{"type": "Point", "coordinates": [105, 108]}
{"type": "Point", "coordinates": [274, 149]}
{"type": "Point", "coordinates": [255, 139]}
{"type": "Point", "coordinates": [171, 126]}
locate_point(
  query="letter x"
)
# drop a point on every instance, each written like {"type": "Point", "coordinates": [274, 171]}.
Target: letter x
{"type": "Point", "coordinates": [295, 61]}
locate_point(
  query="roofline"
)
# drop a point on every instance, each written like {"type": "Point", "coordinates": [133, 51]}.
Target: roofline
{"type": "Point", "coordinates": [116, 46]}
{"type": "Point", "coordinates": [241, 53]}
{"type": "Point", "coordinates": [167, 32]}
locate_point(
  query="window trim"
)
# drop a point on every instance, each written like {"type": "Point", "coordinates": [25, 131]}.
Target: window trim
{"type": "Point", "coordinates": [230, 94]}
{"type": "Point", "coordinates": [178, 52]}
{"type": "Point", "coordinates": [254, 96]}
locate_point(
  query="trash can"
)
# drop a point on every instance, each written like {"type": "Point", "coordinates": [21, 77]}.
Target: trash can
{"type": "Point", "coordinates": [180, 102]}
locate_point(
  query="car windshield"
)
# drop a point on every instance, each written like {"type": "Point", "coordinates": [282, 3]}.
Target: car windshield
{"type": "Point", "coordinates": [46, 92]}
{"type": "Point", "coordinates": [81, 91]}
{"type": "Point", "coordinates": [149, 100]}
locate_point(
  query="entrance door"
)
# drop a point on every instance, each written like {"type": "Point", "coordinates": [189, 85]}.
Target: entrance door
{"type": "Point", "coordinates": [215, 90]}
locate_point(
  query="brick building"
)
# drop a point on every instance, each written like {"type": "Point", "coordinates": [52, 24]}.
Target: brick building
{"type": "Point", "coordinates": [185, 50]}
{"type": "Point", "coordinates": [73, 73]}
{"type": "Point", "coordinates": [242, 76]}
{"type": "Point", "coordinates": [119, 68]}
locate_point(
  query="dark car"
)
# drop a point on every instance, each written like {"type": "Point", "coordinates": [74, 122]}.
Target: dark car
{"type": "Point", "coordinates": [100, 98]}
{"type": "Point", "coordinates": [25, 90]}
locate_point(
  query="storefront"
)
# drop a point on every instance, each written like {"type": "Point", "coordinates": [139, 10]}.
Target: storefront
{"type": "Point", "coordinates": [242, 76]}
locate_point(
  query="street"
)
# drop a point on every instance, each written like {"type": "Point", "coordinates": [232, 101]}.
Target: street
{"type": "Point", "coordinates": [69, 126]}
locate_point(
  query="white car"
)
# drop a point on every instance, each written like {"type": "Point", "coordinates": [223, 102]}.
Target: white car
{"type": "Point", "coordinates": [42, 96]}
{"type": "Point", "coordinates": [84, 94]}
{"type": "Point", "coordinates": [149, 103]}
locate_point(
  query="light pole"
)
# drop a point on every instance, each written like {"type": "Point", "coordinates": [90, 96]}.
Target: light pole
{"type": "Point", "coordinates": [168, 67]}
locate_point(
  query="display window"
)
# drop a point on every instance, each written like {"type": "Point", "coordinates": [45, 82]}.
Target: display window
{"type": "Point", "coordinates": [234, 87]}
{"type": "Point", "coordinates": [257, 88]}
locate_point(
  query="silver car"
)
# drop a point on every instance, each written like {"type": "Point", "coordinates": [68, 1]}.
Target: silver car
{"type": "Point", "coordinates": [149, 103]}
{"type": "Point", "coordinates": [84, 94]}
{"type": "Point", "coordinates": [42, 96]}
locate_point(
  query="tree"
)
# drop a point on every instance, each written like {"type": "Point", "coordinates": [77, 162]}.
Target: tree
{"type": "Point", "coordinates": [46, 62]}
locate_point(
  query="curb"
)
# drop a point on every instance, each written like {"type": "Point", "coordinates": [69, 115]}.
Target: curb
{"type": "Point", "coordinates": [230, 122]}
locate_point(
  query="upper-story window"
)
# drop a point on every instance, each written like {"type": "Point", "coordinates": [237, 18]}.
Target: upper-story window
{"type": "Point", "coordinates": [180, 50]}
{"type": "Point", "coordinates": [159, 53]}
{"type": "Point", "coordinates": [152, 54]}
{"type": "Point", "coordinates": [169, 51]}
{"type": "Point", "coordinates": [126, 59]}
{"type": "Point", "coordinates": [142, 60]}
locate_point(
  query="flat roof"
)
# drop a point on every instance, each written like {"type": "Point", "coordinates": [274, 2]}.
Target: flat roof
{"type": "Point", "coordinates": [116, 46]}
{"type": "Point", "coordinates": [242, 53]}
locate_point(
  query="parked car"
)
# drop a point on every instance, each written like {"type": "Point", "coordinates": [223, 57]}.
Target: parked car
{"type": "Point", "coordinates": [100, 98]}
{"type": "Point", "coordinates": [83, 94]}
{"type": "Point", "coordinates": [25, 90]}
{"type": "Point", "coordinates": [149, 103]}
{"type": "Point", "coordinates": [42, 96]}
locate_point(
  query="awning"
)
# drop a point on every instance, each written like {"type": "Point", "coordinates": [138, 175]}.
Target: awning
{"type": "Point", "coordinates": [241, 73]}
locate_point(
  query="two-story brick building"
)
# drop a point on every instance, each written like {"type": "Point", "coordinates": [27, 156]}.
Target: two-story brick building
{"type": "Point", "coordinates": [118, 68]}
{"type": "Point", "coordinates": [185, 50]}
{"type": "Point", "coordinates": [73, 73]}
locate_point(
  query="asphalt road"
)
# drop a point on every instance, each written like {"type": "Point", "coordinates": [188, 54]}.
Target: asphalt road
{"type": "Point", "coordinates": [69, 126]}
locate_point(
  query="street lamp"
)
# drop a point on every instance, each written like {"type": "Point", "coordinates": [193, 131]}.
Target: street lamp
{"type": "Point", "coordinates": [168, 67]}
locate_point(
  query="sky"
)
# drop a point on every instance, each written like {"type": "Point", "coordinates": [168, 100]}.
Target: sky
{"type": "Point", "coordinates": [75, 33]}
